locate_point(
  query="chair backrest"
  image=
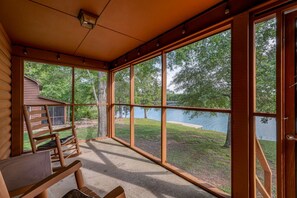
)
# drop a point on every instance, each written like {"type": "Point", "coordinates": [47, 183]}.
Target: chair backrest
{"type": "Point", "coordinates": [21, 172]}
{"type": "Point", "coordinates": [38, 122]}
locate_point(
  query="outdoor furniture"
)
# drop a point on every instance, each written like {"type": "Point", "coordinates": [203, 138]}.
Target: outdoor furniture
{"type": "Point", "coordinates": [18, 174]}
{"type": "Point", "coordinates": [81, 191]}
{"type": "Point", "coordinates": [43, 137]}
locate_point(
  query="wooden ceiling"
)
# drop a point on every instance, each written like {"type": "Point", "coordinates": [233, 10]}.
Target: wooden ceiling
{"type": "Point", "coordinates": [122, 25]}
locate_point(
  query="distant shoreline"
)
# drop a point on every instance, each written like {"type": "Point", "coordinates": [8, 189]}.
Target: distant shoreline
{"type": "Point", "coordinates": [196, 126]}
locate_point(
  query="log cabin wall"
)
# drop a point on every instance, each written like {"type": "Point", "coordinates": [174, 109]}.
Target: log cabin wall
{"type": "Point", "coordinates": [5, 95]}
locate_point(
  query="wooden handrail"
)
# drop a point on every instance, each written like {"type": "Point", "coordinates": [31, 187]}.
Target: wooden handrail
{"type": "Point", "coordinates": [261, 188]}
{"type": "Point", "coordinates": [266, 189]}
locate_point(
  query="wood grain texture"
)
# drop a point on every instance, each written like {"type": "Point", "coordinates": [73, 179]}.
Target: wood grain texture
{"type": "Point", "coordinates": [17, 106]}
{"type": "Point", "coordinates": [280, 105]}
{"type": "Point", "coordinates": [32, 94]}
{"type": "Point", "coordinates": [5, 94]}
{"type": "Point", "coordinates": [290, 125]}
{"type": "Point", "coordinates": [50, 57]}
{"type": "Point", "coordinates": [240, 106]}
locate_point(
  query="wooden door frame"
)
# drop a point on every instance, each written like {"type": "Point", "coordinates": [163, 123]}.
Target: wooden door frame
{"type": "Point", "coordinates": [290, 39]}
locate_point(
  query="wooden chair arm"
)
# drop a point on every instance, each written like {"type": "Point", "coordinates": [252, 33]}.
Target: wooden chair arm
{"type": "Point", "coordinates": [63, 129]}
{"type": "Point", "coordinates": [46, 137]}
{"type": "Point", "coordinates": [43, 185]}
{"type": "Point", "coordinates": [118, 192]}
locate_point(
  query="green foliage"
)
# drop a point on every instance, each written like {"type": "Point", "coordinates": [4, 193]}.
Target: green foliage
{"type": "Point", "coordinates": [266, 66]}
{"type": "Point", "coordinates": [148, 82]}
{"type": "Point", "coordinates": [202, 72]}
{"type": "Point", "coordinates": [55, 81]}
{"type": "Point", "coordinates": [122, 86]}
{"type": "Point", "coordinates": [87, 112]}
{"type": "Point", "coordinates": [85, 80]}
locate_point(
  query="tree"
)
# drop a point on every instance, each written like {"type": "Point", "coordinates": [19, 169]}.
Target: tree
{"type": "Point", "coordinates": [266, 66]}
{"type": "Point", "coordinates": [202, 74]}
{"type": "Point", "coordinates": [55, 81]}
{"type": "Point", "coordinates": [90, 88]}
{"type": "Point", "coordinates": [122, 90]}
{"type": "Point", "coordinates": [147, 80]}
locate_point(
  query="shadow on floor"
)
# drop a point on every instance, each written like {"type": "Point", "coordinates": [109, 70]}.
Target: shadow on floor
{"type": "Point", "coordinates": [158, 187]}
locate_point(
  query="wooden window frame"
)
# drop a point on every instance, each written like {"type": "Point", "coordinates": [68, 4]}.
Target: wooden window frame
{"type": "Point", "coordinates": [163, 160]}
{"type": "Point", "coordinates": [42, 56]}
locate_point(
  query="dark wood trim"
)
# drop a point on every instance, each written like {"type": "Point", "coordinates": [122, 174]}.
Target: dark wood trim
{"type": "Point", "coordinates": [240, 106]}
{"type": "Point", "coordinates": [269, 115]}
{"type": "Point", "coordinates": [39, 55]}
{"type": "Point", "coordinates": [280, 105]}
{"type": "Point", "coordinates": [17, 106]}
{"type": "Point", "coordinates": [163, 114]}
{"type": "Point", "coordinates": [272, 8]}
{"type": "Point", "coordinates": [112, 106]}
{"type": "Point", "coordinates": [290, 104]}
{"type": "Point", "coordinates": [199, 109]}
{"type": "Point", "coordinates": [252, 103]}
{"type": "Point", "coordinates": [179, 108]}
{"type": "Point", "coordinates": [132, 92]}
{"type": "Point", "coordinates": [93, 104]}
{"type": "Point", "coordinates": [73, 97]}
{"type": "Point", "coordinates": [108, 108]}
{"type": "Point", "coordinates": [202, 21]}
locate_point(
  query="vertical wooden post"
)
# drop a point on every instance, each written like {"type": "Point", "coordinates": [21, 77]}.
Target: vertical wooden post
{"type": "Point", "coordinates": [17, 103]}
{"type": "Point", "coordinates": [132, 89]}
{"type": "Point", "coordinates": [111, 105]}
{"type": "Point", "coordinates": [252, 109]}
{"type": "Point", "coordinates": [163, 119]}
{"type": "Point", "coordinates": [240, 106]}
{"type": "Point", "coordinates": [108, 107]}
{"type": "Point", "coordinates": [280, 105]}
{"type": "Point", "coordinates": [290, 104]}
{"type": "Point", "coordinates": [72, 97]}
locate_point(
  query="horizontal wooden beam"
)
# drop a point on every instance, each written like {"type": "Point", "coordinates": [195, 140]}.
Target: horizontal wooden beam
{"type": "Point", "coordinates": [210, 17]}
{"type": "Point", "coordinates": [177, 107]}
{"type": "Point", "coordinates": [39, 55]}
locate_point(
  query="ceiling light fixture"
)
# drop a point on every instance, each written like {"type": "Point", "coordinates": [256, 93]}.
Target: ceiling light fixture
{"type": "Point", "coordinates": [25, 52]}
{"type": "Point", "coordinates": [184, 29]}
{"type": "Point", "coordinates": [87, 19]}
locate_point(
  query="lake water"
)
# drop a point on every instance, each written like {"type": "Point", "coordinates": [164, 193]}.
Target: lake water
{"type": "Point", "coordinates": [266, 130]}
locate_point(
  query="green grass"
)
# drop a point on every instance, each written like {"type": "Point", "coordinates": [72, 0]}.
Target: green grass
{"type": "Point", "coordinates": [197, 151]}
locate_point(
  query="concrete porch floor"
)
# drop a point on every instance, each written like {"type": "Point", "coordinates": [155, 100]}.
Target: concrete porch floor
{"type": "Point", "coordinates": [107, 164]}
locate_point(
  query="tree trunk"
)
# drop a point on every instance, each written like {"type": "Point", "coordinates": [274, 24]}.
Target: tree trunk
{"type": "Point", "coordinates": [145, 113]}
{"type": "Point", "coordinates": [120, 111]}
{"type": "Point", "coordinates": [228, 136]}
{"type": "Point", "coordinates": [102, 120]}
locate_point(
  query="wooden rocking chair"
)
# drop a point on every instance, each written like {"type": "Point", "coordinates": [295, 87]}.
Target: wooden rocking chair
{"type": "Point", "coordinates": [40, 189]}
{"type": "Point", "coordinates": [43, 137]}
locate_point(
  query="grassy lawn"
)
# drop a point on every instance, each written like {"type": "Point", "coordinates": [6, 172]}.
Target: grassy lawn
{"type": "Point", "coordinates": [197, 151]}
